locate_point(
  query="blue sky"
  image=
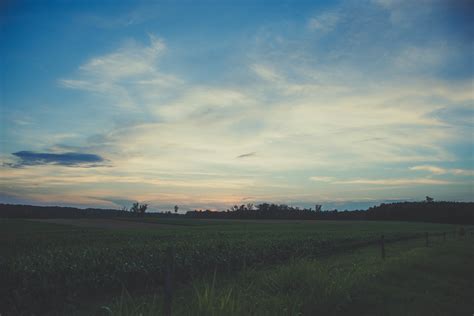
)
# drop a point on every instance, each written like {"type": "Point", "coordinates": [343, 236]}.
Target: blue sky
{"type": "Point", "coordinates": [210, 104]}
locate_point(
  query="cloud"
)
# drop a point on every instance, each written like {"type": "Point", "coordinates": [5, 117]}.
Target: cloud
{"type": "Point", "coordinates": [324, 22]}
{"type": "Point", "coordinates": [133, 17]}
{"type": "Point", "coordinates": [247, 155]}
{"type": "Point", "coordinates": [118, 201]}
{"type": "Point", "coordinates": [439, 171]}
{"type": "Point", "coordinates": [462, 172]}
{"type": "Point", "coordinates": [396, 182]}
{"type": "Point", "coordinates": [461, 114]}
{"type": "Point", "coordinates": [432, 169]}
{"type": "Point", "coordinates": [420, 58]}
{"type": "Point", "coordinates": [382, 182]}
{"type": "Point", "coordinates": [130, 60]}
{"type": "Point", "coordinates": [127, 76]}
{"type": "Point", "coordinates": [70, 159]}
{"type": "Point", "coordinates": [288, 117]}
{"type": "Point", "coordinates": [266, 72]}
{"type": "Point", "coordinates": [321, 179]}
{"type": "Point", "coordinates": [201, 101]}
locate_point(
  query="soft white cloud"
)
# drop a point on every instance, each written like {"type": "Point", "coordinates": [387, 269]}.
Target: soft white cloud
{"type": "Point", "coordinates": [265, 72]}
{"type": "Point", "coordinates": [413, 58]}
{"type": "Point", "coordinates": [324, 22]}
{"type": "Point", "coordinates": [321, 179]}
{"type": "Point", "coordinates": [294, 122]}
{"type": "Point", "coordinates": [382, 182]}
{"type": "Point", "coordinates": [132, 17]}
{"type": "Point", "coordinates": [396, 182]}
{"type": "Point", "coordinates": [119, 76]}
{"type": "Point", "coordinates": [201, 101]}
{"type": "Point", "coordinates": [131, 60]}
{"type": "Point", "coordinates": [432, 169]}
{"type": "Point", "coordinates": [439, 170]}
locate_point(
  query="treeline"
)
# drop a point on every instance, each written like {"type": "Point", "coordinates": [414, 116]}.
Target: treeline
{"type": "Point", "coordinates": [29, 211]}
{"type": "Point", "coordinates": [439, 212]}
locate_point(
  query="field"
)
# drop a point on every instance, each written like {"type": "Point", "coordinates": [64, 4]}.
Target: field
{"type": "Point", "coordinates": [230, 267]}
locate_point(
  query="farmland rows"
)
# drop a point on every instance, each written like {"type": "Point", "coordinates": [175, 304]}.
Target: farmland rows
{"type": "Point", "coordinates": [45, 270]}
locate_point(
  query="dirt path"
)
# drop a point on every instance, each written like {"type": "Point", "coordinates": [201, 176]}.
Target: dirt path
{"type": "Point", "coordinates": [102, 223]}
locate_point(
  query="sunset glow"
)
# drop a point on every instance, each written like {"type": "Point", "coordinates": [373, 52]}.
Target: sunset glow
{"type": "Point", "coordinates": [345, 104]}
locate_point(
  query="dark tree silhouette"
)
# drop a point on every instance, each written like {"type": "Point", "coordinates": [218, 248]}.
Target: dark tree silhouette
{"type": "Point", "coordinates": [176, 207]}
{"type": "Point", "coordinates": [439, 212]}
{"type": "Point", "coordinates": [139, 209]}
{"type": "Point", "coordinates": [429, 199]}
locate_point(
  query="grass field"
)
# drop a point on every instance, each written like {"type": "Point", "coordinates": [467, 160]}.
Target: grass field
{"type": "Point", "coordinates": [225, 267]}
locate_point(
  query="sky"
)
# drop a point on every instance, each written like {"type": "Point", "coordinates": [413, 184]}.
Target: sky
{"type": "Point", "coordinates": [207, 104]}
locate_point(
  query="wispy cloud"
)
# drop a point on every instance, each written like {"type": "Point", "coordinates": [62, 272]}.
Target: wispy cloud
{"type": "Point", "coordinates": [324, 22]}
{"type": "Point", "coordinates": [439, 170]}
{"type": "Point", "coordinates": [322, 179]}
{"type": "Point", "coordinates": [133, 17]}
{"type": "Point", "coordinates": [382, 182]}
{"type": "Point", "coordinates": [266, 72]}
{"type": "Point", "coordinates": [396, 182]}
{"type": "Point", "coordinates": [247, 155]}
{"type": "Point", "coordinates": [132, 66]}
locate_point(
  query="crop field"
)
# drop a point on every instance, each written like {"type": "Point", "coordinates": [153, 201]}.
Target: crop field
{"type": "Point", "coordinates": [219, 267]}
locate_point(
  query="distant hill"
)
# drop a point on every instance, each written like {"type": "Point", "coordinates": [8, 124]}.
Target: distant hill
{"type": "Point", "coordinates": [439, 212]}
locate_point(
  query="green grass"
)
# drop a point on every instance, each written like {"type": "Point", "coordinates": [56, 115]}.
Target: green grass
{"type": "Point", "coordinates": [436, 281]}
{"type": "Point", "coordinates": [51, 268]}
{"type": "Point", "coordinates": [413, 280]}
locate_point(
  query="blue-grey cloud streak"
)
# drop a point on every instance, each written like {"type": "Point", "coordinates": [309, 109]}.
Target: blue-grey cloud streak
{"type": "Point", "coordinates": [70, 159]}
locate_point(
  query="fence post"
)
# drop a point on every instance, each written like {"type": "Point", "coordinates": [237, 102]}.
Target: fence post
{"type": "Point", "coordinates": [427, 243]}
{"type": "Point", "coordinates": [168, 286]}
{"type": "Point", "coordinates": [382, 246]}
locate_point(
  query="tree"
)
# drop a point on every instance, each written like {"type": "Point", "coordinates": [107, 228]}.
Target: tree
{"type": "Point", "coordinates": [429, 199]}
{"type": "Point", "coordinates": [318, 207]}
{"type": "Point", "coordinates": [176, 207]}
{"type": "Point", "coordinates": [138, 208]}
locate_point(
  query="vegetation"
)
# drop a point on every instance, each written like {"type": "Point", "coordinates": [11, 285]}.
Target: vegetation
{"type": "Point", "coordinates": [429, 211]}
{"type": "Point", "coordinates": [413, 280]}
{"type": "Point", "coordinates": [138, 208]}
{"type": "Point", "coordinates": [65, 269]}
{"type": "Point", "coordinates": [426, 211]}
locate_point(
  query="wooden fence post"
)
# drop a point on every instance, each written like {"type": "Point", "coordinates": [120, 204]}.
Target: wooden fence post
{"type": "Point", "coordinates": [168, 286]}
{"type": "Point", "coordinates": [427, 242]}
{"type": "Point", "coordinates": [382, 246]}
